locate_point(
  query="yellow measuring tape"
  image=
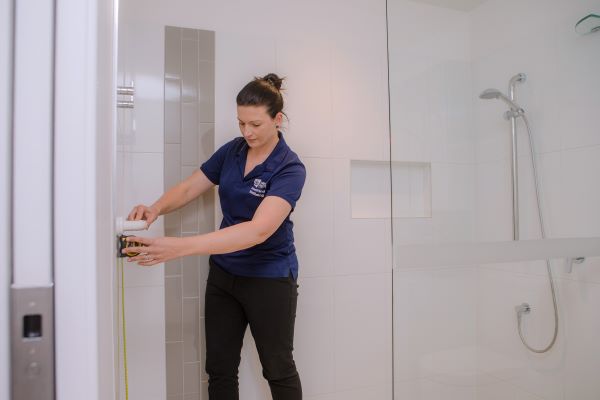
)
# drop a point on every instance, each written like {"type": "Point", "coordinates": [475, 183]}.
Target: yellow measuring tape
{"type": "Point", "coordinates": [122, 271]}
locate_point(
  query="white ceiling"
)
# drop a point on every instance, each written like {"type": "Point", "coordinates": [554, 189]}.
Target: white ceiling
{"type": "Point", "coordinates": [461, 5]}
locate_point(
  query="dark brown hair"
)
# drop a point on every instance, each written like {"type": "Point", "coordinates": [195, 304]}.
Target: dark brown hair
{"type": "Point", "coordinates": [265, 91]}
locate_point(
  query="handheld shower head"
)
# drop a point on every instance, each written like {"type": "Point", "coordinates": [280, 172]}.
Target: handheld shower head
{"type": "Point", "coordinates": [490, 94]}
{"type": "Point", "coordinates": [496, 94]}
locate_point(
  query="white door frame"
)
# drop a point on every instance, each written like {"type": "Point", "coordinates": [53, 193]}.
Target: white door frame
{"type": "Point", "coordinates": [84, 211]}
{"type": "Point", "coordinates": [75, 236]}
{"type": "Point", "coordinates": [6, 14]}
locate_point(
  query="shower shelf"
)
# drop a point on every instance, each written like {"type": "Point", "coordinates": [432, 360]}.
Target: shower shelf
{"type": "Point", "coordinates": [476, 253]}
{"type": "Point", "coordinates": [588, 24]}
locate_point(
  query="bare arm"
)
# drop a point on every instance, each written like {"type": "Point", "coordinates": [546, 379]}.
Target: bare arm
{"type": "Point", "coordinates": [268, 217]}
{"type": "Point", "coordinates": [266, 220]}
{"type": "Point", "coordinates": [175, 198]}
{"type": "Point", "coordinates": [184, 192]}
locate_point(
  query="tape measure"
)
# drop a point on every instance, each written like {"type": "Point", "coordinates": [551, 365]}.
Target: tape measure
{"type": "Point", "coordinates": [122, 243]}
{"type": "Point", "coordinates": [124, 331]}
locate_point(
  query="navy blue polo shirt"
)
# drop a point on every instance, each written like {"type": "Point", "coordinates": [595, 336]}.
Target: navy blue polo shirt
{"type": "Point", "coordinates": [282, 174]}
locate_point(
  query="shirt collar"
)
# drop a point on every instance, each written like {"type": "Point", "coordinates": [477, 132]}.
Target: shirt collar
{"type": "Point", "coordinates": [276, 156]}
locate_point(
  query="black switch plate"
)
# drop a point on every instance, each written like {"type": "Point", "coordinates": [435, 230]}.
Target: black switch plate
{"type": "Point", "coordinates": [32, 326]}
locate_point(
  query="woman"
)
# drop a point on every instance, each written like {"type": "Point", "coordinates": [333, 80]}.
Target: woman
{"type": "Point", "coordinates": [253, 264]}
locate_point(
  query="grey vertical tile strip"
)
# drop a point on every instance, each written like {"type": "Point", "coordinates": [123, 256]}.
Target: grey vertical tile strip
{"type": "Point", "coordinates": [189, 213]}
{"type": "Point", "coordinates": [202, 277]}
{"type": "Point", "coordinates": [172, 110]}
{"type": "Point", "coordinates": [189, 71]}
{"type": "Point", "coordinates": [206, 203]}
{"type": "Point", "coordinates": [206, 141]}
{"type": "Point", "coordinates": [206, 45]}
{"type": "Point", "coordinates": [206, 91]}
{"type": "Point", "coordinates": [190, 272]}
{"type": "Point", "coordinates": [173, 285]}
{"type": "Point", "coordinates": [206, 214]}
{"type": "Point", "coordinates": [172, 52]}
{"type": "Point", "coordinates": [191, 378]}
{"type": "Point", "coordinates": [173, 223]}
{"type": "Point", "coordinates": [189, 34]}
{"type": "Point", "coordinates": [189, 141]}
{"type": "Point", "coordinates": [189, 134]}
{"type": "Point", "coordinates": [172, 164]}
{"type": "Point", "coordinates": [191, 331]}
{"type": "Point", "coordinates": [174, 367]}
{"type": "Point", "coordinates": [189, 218]}
{"type": "Point", "coordinates": [204, 392]}
{"type": "Point", "coordinates": [173, 309]}
{"type": "Point", "coordinates": [203, 374]}
{"type": "Point", "coordinates": [173, 267]}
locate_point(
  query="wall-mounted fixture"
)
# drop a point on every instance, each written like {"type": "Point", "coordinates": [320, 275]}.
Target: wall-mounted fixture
{"type": "Point", "coordinates": [588, 24]}
{"type": "Point", "coordinates": [570, 261]}
{"type": "Point", "coordinates": [121, 225]}
{"type": "Point", "coordinates": [126, 91]}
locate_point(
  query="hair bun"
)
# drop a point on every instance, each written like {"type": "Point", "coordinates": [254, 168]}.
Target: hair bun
{"type": "Point", "coordinates": [273, 80]}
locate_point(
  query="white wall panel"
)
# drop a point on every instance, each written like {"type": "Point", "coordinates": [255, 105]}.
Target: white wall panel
{"type": "Point", "coordinates": [5, 179]}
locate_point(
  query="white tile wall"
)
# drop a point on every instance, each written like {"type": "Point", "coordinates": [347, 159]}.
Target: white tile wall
{"type": "Point", "coordinates": [580, 307]}
{"type": "Point", "coordinates": [315, 335]}
{"type": "Point", "coordinates": [434, 324]}
{"type": "Point", "coordinates": [336, 100]}
{"type": "Point", "coordinates": [419, 180]}
{"type": "Point", "coordinates": [313, 219]}
{"type": "Point", "coordinates": [144, 64]}
{"type": "Point", "coordinates": [503, 390]}
{"type": "Point", "coordinates": [139, 181]}
{"type": "Point", "coordinates": [344, 116]}
{"type": "Point", "coordinates": [238, 60]}
{"type": "Point", "coordinates": [362, 331]}
{"type": "Point", "coordinates": [426, 389]}
{"type": "Point", "coordinates": [359, 93]}
{"type": "Point", "coordinates": [360, 245]}
{"type": "Point", "coordinates": [501, 353]}
{"type": "Point", "coordinates": [311, 123]}
{"type": "Point", "coordinates": [559, 96]}
{"type": "Point", "coordinates": [370, 189]}
{"type": "Point", "coordinates": [139, 184]}
{"type": "Point", "coordinates": [145, 342]}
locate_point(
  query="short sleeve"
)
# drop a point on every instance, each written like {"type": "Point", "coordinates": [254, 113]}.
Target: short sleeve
{"type": "Point", "coordinates": [288, 183]}
{"type": "Point", "coordinates": [212, 167]}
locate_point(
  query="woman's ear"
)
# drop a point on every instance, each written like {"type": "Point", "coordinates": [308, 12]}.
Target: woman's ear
{"type": "Point", "coordinates": [278, 119]}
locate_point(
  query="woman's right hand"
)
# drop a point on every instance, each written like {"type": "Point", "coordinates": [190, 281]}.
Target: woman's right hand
{"type": "Point", "coordinates": [149, 214]}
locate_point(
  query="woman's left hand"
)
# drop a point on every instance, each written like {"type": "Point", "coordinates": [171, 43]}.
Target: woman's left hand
{"type": "Point", "coordinates": [155, 250]}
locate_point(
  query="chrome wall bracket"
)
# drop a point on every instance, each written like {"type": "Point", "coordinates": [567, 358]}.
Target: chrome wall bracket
{"type": "Point", "coordinates": [126, 91]}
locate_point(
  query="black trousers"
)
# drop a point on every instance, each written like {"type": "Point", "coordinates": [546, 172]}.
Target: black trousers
{"type": "Point", "coordinates": [268, 305]}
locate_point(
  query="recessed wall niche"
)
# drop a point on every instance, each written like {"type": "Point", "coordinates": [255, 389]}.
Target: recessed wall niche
{"type": "Point", "coordinates": [370, 189]}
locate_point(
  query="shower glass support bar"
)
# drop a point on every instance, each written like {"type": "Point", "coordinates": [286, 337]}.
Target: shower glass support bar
{"type": "Point", "coordinates": [514, 166]}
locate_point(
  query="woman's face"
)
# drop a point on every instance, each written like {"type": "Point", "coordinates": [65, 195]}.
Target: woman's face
{"type": "Point", "coordinates": [257, 126]}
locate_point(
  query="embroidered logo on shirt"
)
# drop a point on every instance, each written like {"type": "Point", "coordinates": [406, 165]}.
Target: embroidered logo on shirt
{"type": "Point", "coordinates": [259, 188]}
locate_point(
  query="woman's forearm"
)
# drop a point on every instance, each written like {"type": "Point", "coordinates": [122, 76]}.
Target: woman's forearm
{"type": "Point", "coordinates": [182, 193]}
{"type": "Point", "coordinates": [227, 240]}
{"type": "Point", "coordinates": [175, 198]}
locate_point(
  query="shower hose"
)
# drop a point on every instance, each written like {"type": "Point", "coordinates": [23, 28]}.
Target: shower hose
{"type": "Point", "coordinates": [541, 220]}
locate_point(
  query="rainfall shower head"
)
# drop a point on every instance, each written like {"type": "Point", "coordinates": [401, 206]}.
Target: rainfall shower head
{"type": "Point", "coordinates": [496, 94]}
